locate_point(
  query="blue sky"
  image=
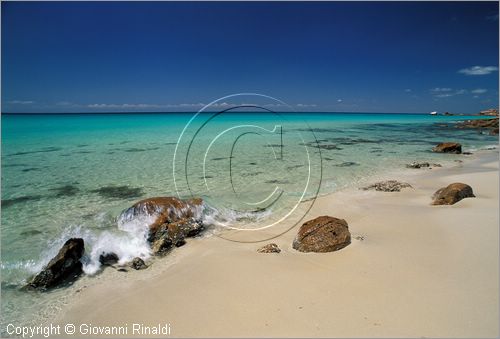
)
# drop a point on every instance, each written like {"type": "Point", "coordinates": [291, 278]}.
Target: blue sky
{"type": "Point", "coordinates": [321, 56]}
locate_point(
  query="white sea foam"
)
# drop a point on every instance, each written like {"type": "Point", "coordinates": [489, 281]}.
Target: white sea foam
{"type": "Point", "coordinates": [126, 245]}
{"type": "Point", "coordinates": [224, 216]}
{"type": "Point", "coordinates": [128, 241]}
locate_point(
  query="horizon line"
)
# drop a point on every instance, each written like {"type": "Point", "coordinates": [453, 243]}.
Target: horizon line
{"type": "Point", "coordinates": [194, 112]}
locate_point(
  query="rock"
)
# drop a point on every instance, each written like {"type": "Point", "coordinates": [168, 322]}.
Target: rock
{"type": "Point", "coordinates": [173, 220]}
{"type": "Point", "coordinates": [491, 111]}
{"type": "Point", "coordinates": [323, 234]}
{"type": "Point", "coordinates": [478, 123]}
{"type": "Point", "coordinates": [64, 267]}
{"type": "Point", "coordinates": [489, 124]}
{"type": "Point", "coordinates": [388, 186]}
{"type": "Point", "coordinates": [437, 165]}
{"type": "Point", "coordinates": [269, 248]}
{"type": "Point", "coordinates": [467, 153]}
{"type": "Point", "coordinates": [108, 259]}
{"type": "Point", "coordinates": [418, 165]}
{"type": "Point", "coordinates": [448, 147]}
{"type": "Point", "coordinates": [347, 164]}
{"type": "Point", "coordinates": [167, 235]}
{"type": "Point", "coordinates": [164, 209]}
{"type": "Point", "coordinates": [138, 264]}
{"type": "Point", "coordinates": [452, 193]}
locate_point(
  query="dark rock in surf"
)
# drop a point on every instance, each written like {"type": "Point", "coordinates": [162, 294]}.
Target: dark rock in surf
{"type": "Point", "coordinates": [108, 259]}
{"type": "Point", "coordinates": [64, 267]}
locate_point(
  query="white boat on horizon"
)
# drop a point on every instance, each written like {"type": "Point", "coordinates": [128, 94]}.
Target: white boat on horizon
{"type": "Point", "coordinates": [433, 113]}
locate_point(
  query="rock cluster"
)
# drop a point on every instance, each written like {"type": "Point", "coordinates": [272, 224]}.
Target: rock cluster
{"type": "Point", "coordinates": [173, 221]}
{"type": "Point", "coordinates": [489, 124]}
{"type": "Point", "coordinates": [387, 186]}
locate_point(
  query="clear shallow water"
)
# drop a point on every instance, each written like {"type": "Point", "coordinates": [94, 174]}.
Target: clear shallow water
{"type": "Point", "coordinates": [71, 175]}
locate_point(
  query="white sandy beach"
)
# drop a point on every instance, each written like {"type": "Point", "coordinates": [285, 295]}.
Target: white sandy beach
{"type": "Point", "coordinates": [420, 271]}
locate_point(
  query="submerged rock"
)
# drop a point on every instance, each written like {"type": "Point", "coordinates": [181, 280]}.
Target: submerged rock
{"type": "Point", "coordinates": [448, 147]}
{"type": "Point", "coordinates": [138, 264]}
{"type": "Point", "coordinates": [347, 164]}
{"type": "Point", "coordinates": [118, 192]}
{"type": "Point", "coordinates": [387, 186]}
{"type": "Point", "coordinates": [269, 248]}
{"type": "Point", "coordinates": [323, 234]}
{"type": "Point", "coordinates": [64, 267]}
{"type": "Point", "coordinates": [422, 165]}
{"type": "Point", "coordinates": [452, 193]}
{"type": "Point", "coordinates": [173, 220]}
{"type": "Point", "coordinates": [418, 165]}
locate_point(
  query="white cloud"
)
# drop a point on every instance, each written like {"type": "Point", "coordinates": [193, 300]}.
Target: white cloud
{"type": "Point", "coordinates": [478, 70]}
{"type": "Point", "coordinates": [184, 105]}
{"type": "Point", "coordinates": [445, 92]}
{"type": "Point", "coordinates": [441, 89]}
{"type": "Point", "coordinates": [123, 106]}
{"type": "Point", "coordinates": [21, 102]}
{"type": "Point", "coordinates": [444, 95]}
{"type": "Point", "coordinates": [408, 90]}
{"type": "Point", "coordinates": [63, 103]}
{"type": "Point", "coordinates": [269, 105]}
{"type": "Point", "coordinates": [220, 105]}
{"type": "Point", "coordinates": [479, 91]}
{"type": "Point", "coordinates": [339, 100]}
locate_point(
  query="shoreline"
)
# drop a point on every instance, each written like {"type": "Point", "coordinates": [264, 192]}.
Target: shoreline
{"type": "Point", "coordinates": [416, 272]}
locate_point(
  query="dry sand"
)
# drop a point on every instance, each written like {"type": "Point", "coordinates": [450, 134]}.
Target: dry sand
{"type": "Point", "coordinates": [421, 270]}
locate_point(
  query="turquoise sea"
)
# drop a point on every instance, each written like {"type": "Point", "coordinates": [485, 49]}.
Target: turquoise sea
{"type": "Point", "coordinates": [69, 175]}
